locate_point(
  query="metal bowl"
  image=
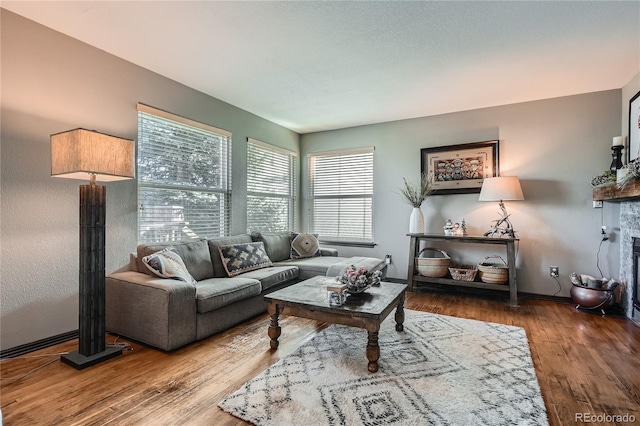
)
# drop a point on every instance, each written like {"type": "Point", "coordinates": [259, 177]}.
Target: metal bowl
{"type": "Point", "coordinates": [592, 298]}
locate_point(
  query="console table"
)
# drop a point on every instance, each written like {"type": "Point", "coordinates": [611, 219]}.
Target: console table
{"type": "Point", "coordinates": [413, 278]}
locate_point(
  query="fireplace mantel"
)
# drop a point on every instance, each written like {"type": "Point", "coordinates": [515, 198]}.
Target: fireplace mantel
{"type": "Point", "coordinates": [611, 192]}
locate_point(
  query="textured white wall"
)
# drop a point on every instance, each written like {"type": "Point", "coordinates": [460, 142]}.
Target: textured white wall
{"type": "Point", "coordinates": [52, 83]}
{"type": "Point", "coordinates": [555, 146]}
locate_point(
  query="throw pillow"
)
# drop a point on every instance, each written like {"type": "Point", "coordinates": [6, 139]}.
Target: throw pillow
{"type": "Point", "coordinates": [167, 263]}
{"type": "Point", "coordinates": [239, 258]}
{"type": "Point", "coordinates": [304, 245]}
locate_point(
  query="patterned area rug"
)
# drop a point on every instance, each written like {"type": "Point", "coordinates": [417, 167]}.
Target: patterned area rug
{"type": "Point", "coordinates": [439, 371]}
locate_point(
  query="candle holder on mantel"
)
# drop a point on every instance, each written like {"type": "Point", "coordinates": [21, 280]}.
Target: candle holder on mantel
{"type": "Point", "coordinates": [616, 155]}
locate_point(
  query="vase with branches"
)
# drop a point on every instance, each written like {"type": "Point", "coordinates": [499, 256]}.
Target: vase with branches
{"type": "Point", "coordinates": [415, 193]}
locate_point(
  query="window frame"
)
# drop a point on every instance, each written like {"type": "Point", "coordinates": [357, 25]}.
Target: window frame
{"type": "Point", "coordinates": [365, 240]}
{"type": "Point", "coordinates": [222, 190]}
{"type": "Point", "coordinates": [292, 193]}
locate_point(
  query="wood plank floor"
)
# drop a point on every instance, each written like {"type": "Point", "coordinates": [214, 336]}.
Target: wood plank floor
{"type": "Point", "coordinates": [585, 364]}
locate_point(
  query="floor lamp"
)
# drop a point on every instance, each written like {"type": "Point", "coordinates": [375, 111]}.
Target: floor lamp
{"type": "Point", "coordinates": [85, 154]}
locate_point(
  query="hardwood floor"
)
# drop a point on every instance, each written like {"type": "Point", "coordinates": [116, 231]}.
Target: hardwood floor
{"type": "Point", "coordinates": [585, 364]}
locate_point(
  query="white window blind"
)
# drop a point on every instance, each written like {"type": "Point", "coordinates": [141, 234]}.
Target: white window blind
{"type": "Point", "coordinates": [271, 188]}
{"type": "Point", "coordinates": [341, 190]}
{"type": "Point", "coordinates": [184, 170]}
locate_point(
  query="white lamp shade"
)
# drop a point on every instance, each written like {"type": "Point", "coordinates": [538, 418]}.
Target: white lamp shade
{"type": "Point", "coordinates": [501, 188]}
{"type": "Point", "coordinates": [78, 153]}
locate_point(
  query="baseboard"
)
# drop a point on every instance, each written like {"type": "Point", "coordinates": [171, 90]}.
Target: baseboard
{"type": "Point", "coordinates": [452, 288]}
{"type": "Point", "coordinates": [39, 344]}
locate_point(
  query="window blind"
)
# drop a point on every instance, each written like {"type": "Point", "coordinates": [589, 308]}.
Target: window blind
{"type": "Point", "coordinates": [184, 184]}
{"type": "Point", "coordinates": [341, 190]}
{"type": "Point", "coordinates": [271, 187]}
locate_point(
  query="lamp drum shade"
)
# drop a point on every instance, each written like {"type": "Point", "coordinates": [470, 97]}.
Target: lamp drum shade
{"type": "Point", "coordinates": [79, 152]}
{"type": "Point", "coordinates": [502, 188]}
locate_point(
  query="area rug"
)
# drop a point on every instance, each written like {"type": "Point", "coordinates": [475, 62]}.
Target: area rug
{"type": "Point", "coordinates": [439, 371]}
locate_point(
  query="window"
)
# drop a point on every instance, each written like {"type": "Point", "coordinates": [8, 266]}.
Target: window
{"type": "Point", "coordinates": [271, 188]}
{"type": "Point", "coordinates": [341, 191]}
{"type": "Point", "coordinates": [184, 170]}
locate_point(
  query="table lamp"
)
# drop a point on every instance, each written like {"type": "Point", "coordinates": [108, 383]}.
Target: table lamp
{"type": "Point", "coordinates": [502, 188]}
{"type": "Point", "coordinates": [86, 154]}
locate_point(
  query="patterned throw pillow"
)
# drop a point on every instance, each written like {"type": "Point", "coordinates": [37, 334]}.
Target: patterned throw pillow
{"type": "Point", "coordinates": [244, 257]}
{"type": "Point", "coordinates": [167, 263]}
{"type": "Point", "coordinates": [304, 245]}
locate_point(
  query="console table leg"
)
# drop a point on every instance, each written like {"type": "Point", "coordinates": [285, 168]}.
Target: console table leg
{"type": "Point", "coordinates": [274, 328]}
{"type": "Point", "coordinates": [513, 284]}
{"type": "Point", "coordinates": [400, 314]}
{"type": "Point", "coordinates": [373, 351]}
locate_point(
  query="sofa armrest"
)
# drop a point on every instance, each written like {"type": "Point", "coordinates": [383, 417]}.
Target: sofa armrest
{"type": "Point", "coordinates": [156, 311]}
{"type": "Point", "coordinates": [328, 252]}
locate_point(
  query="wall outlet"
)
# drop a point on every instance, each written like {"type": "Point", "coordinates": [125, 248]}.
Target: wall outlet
{"type": "Point", "coordinates": [387, 259]}
{"type": "Point", "coordinates": [597, 204]}
{"type": "Point", "coordinates": [554, 271]}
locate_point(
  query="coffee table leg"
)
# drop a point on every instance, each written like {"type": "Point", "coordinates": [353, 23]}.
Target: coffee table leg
{"type": "Point", "coordinates": [400, 314]}
{"type": "Point", "coordinates": [373, 351]}
{"type": "Point", "coordinates": [274, 328]}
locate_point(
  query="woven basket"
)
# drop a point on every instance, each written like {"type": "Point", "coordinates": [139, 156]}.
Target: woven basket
{"type": "Point", "coordinates": [434, 267]}
{"type": "Point", "coordinates": [463, 272]}
{"type": "Point", "coordinates": [493, 273]}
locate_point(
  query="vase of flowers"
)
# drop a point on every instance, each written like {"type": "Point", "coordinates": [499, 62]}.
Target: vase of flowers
{"type": "Point", "coordinates": [415, 194]}
{"type": "Point", "coordinates": [359, 279]}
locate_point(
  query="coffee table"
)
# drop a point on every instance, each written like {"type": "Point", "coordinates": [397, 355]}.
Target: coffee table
{"type": "Point", "coordinates": [308, 299]}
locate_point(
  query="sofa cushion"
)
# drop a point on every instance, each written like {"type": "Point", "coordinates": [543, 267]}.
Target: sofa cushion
{"type": "Point", "coordinates": [214, 243]}
{"type": "Point", "coordinates": [304, 245]}
{"type": "Point", "coordinates": [166, 263]}
{"type": "Point", "coordinates": [194, 254]}
{"type": "Point", "coordinates": [273, 275]}
{"type": "Point", "coordinates": [240, 258]}
{"type": "Point", "coordinates": [277, 244]}
{"type": "Point", "coordinates": [217, 292]}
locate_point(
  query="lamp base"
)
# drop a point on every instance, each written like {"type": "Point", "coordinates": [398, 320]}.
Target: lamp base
{"type": "Point", "coordinates": [78, 361]}
{"type": "Point", "coordinates": [502, 226]}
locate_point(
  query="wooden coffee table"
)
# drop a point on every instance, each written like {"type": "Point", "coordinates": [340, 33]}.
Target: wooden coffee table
{"type": "Point", "coordinates": [308, 299]}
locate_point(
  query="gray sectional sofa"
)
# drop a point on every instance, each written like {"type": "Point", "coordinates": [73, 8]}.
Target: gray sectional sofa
{"type": "Point", "coordinates": [168, 313]}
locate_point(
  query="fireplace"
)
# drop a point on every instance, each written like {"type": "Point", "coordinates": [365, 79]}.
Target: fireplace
{"type": "Point", "coordinates": [630, 258]}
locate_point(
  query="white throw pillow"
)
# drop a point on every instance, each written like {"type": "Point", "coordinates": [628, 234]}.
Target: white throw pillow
{"type": "Point", "coordinates": [167, 263]}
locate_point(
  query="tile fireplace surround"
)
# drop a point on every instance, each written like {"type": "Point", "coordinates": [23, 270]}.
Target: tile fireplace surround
{"type": "Point", "coordinates": [629, 228]}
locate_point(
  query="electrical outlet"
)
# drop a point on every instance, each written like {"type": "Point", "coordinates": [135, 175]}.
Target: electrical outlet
{"type": "Point", "coordinates": [554, 271]}
{"type": "Point", "coordinates": [387, 259]}
{"type": "Point", "coordinates": [597, 204]}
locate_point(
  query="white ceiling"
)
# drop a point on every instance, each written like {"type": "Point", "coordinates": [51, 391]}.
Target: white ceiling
{"type": "Point", "coordinates": [312, 66]}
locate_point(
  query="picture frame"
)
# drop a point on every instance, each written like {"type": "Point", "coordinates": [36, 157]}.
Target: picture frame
{"type": "Point", "coordinates": [460, 169]}
{"type": "Point", "coordinates": [633, 152]}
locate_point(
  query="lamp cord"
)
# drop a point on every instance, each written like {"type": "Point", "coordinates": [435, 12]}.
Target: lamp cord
{"type": "Point", "coordinates": [598, 258]}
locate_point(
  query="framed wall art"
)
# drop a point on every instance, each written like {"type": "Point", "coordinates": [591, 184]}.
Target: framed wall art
{"type": "Point", "coordinates": [460, 169]}
{"type": "Point", "coordinates": [634, 128]}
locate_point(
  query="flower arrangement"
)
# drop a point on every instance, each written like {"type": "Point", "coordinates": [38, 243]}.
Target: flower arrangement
{"type": "Point", "coordinates": [632, 172]}
{"type": "Point", "coordinates": [359, 279]}
{"type": "Point", "coordinates": [416, 193]}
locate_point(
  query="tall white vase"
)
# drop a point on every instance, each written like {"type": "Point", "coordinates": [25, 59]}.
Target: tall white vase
{"type": "Point", "coordinates": [416, 221]}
